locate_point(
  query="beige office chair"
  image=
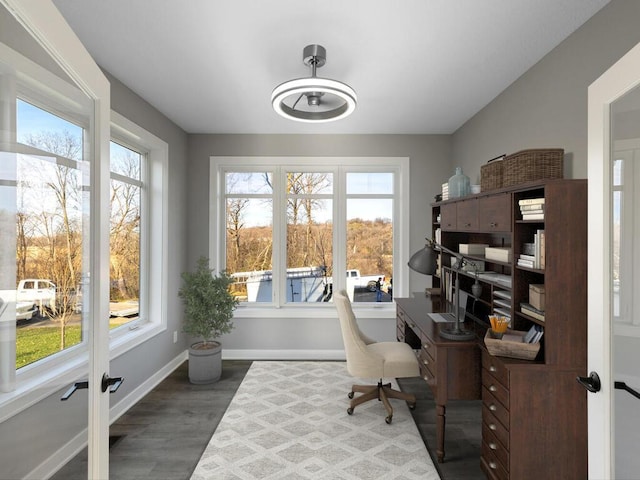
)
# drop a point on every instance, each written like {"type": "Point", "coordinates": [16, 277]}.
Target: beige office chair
{"type": "Point", "coordinates": [367, 358]}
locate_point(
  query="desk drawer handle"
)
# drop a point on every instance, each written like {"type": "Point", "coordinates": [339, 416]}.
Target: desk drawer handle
{"type": "Point", "coordinates": [412, 325]}
{"type": "Point", "coordinates": [492, 388]}
{"type": "Point", "coordinates": [426, 362]}
{"type": "Point", "coordinates": [493, 465]}
{"type": "Point", "coordinates": [492, 426]}
{"type": "Point", "coordinates": [493, 407]}
{"type": "Point", "coordinates": [493, 369]}
{"type": "Point", "coordinates": [493, 446]}
{"type": "Point", "coordinates": [426, 378]}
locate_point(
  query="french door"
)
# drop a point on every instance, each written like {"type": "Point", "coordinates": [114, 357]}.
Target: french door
{"type": "Point", "coordinates": [614, 269]}
{"type": "Point", "coordinates": [62, 196]}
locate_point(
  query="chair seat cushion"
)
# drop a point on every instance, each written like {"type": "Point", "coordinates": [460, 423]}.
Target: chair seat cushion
{"type": "Point", "coordinates": [399, 359]}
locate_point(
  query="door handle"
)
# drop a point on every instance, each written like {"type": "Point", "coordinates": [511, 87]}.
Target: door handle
{"type": "Point", "coordinates": [111, 383]}
{"type": "Point", "coordinates": [107, 383]}
{"type": "Point", "coordinates": [74, 387]}
{"type": "Point", "coordinates": [624, 386]}
{"type": "Point", "coordinates": [591, 383]}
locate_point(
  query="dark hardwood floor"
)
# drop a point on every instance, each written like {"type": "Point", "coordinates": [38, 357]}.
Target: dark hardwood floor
{"type": "Point", "coordinates": [163, 436]}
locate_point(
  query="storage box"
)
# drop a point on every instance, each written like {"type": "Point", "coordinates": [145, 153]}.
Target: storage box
{"type": "Point", "coordinates": [533, 164]}
{"type": "Point", "coordinates": [536, 296]}
{"type": "Point", "coordinates": [491, 174]}
{"type": "Point", "coordinates": [511, 345]}
{"type": "Point", "coordinates": [499, 254]}
{"type": "Point", "coordinates": [472, 248]}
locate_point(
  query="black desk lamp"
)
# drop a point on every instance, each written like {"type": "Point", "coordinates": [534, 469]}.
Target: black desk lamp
{"type": "Point", "coordinates": [425, 261]}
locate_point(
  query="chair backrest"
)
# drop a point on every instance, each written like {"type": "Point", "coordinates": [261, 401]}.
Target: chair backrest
{"type": "Point", "coordinates": [361, 362]}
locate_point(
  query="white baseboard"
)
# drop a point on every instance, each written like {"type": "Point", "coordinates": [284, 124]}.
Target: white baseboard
{"type": "Point", "coordinates": [240, 354]}
{"type": "Point", "coordinates": [63, 455]}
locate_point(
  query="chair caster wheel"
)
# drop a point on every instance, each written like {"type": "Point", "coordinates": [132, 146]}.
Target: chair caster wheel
{"type": "Point", "coordinates": [350, 395]}
{"type": "Point", "coordinates": [350, 411]}
{"type": "Point", "coordinates": [388, 419]}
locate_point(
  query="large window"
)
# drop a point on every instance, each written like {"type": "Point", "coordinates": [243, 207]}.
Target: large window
{"type": "Point", "coordinates": [290, 232]}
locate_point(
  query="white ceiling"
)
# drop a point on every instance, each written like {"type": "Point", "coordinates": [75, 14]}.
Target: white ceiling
{"type": "Point", "coordinates": [418, 66]}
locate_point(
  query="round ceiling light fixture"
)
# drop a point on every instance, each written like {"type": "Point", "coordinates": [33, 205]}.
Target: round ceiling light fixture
{"type": "Point", "coordinates": [325, 100]}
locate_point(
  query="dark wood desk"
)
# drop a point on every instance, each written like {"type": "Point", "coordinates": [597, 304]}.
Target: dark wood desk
{"type": "Point", "coordinates": [452, 369]}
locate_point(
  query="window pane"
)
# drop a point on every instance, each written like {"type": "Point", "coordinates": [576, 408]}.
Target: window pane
{"type": "Point", "coordinates": [369, 183]}
{"type": "Point", "coordinates": [369, 249]}
{"type": "Point", "coordinates": [309, 249]}
{"type": "Point", "coordinates": [125, 161]}
{"type": "Point", "coordinates": [309, 183]}
{"type": "Point", "coordinates": [248, 182]}
{"type": "Point", "coordinates": [249, 247]}
{"type": "Point", "coordinates": [124, 258]}
{"type": "Point", "coordinates": [48, 237]}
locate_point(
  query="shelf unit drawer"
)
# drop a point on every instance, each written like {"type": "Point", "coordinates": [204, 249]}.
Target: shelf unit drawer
{"type": "Point", "coordinates": [467, 215]}
{"type": "Point", "coordinates": [492, 465]}
{"type": "Point", "coordinates": [494, 213]}
{"type": "Point", "coordinates": [498, 410]}
{"type": "Point", "coordinates": [491, 423]}
{"type": "Point", "coordinates": [495, 368]}
{"type": "Point", "coordinates": [492, 444]}
{"type": "Point", "coordinates": [448, 217]}
{"type": "Point", "coordinates": [496, 388]}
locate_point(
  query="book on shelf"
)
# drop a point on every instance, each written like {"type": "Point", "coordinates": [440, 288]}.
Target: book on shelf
{"type": "Point", "coordinates": [533, 216]}
{"type": "Point", "coordinates": [532, 207]}
{"type": "Point", "coordinates": [526, 263]}
{"type": "Point", "coordinates": [500, 254]}
{"type": "Point", "coordinates": [531, 201]}
{"type": "Point", "coordinates": [538, 241]}
{"type": "Point", "coordinates": [533, 312]}
{"type": "Point", "coordinates": [503, 312]}
{"type": "Point", "coordinates": [534, 334]}
{"type": "Point", "coordinates": [523, 256]}
{"type": "Point", "coordinates": [502, 304]}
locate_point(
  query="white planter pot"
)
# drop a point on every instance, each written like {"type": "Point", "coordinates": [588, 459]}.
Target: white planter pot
{"type": "Point", "coordinates": [205, 364]}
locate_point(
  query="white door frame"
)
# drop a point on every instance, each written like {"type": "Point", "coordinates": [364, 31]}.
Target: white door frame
{"type": "Point", "coordinates": [47, 26]}
{"type": "Point", "coordinates": [615, 82]}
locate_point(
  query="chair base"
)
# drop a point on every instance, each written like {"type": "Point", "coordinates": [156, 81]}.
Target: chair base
{"type": "Point", "coordinates": [381, 392]}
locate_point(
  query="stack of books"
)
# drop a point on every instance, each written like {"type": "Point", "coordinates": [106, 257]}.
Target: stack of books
{"type": "Point", "coordinates": [533, 312]}
{"type": "Point", "coordinates": [532, 208]}
{"type": "Point", "coordinates": [445, 191]}
{"type": "Point", "coordinates": [533, 255]}
{"type": "Point", "coordinates": [534, 334]}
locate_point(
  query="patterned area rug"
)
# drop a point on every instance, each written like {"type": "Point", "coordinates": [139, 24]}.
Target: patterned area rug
{"type": "Point", "coordinates": [288, 421]}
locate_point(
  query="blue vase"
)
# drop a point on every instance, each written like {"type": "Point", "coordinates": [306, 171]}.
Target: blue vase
{"type": "Point", "coordinates": [459, 184]}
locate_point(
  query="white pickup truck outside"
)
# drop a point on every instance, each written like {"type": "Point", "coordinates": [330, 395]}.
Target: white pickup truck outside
{"type": "Point", "coordinates": [355, 280]}
{"type": "Point", "coordinates": [37, 291]}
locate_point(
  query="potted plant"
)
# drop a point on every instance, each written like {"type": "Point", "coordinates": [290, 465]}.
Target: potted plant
{"type": "Point", "coordinates": [209, 307]}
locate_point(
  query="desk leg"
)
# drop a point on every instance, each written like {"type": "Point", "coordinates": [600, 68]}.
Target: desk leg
{"type": "Point", "coordinates": [440, 421]}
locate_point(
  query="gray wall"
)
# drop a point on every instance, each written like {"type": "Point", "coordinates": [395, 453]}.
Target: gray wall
{"type": "Point", "coordinates": [429, 164]}
{"type": "Point", "coordinates": [547, 106]}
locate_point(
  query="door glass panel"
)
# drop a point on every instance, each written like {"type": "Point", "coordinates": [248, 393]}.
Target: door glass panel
{"type": "Point", "coordinates": [45, 191]}
{"type": "Point", "coordinates": [625, 262]}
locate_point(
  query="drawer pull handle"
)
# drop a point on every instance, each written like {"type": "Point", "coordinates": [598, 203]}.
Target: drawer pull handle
{"type": "Point", "coordinates": [425, 362]}
{"type": "Point", "coordinates": [467, 225]}
{"type": "Point", "coordinates": [425, 378]}
{"type": "Point", "coordinates": [493, 407]}
{"type": "Point", "coordinates": [493, 224]}
{"type": "Point", "coordinates": [493, 369]}
{"type": "Point", "coordinates": [412, 325]}
{"type": "Point", "coordinates": [493, 465]}
{"type": "Point", "coordinates": [492, 388]}
{"type": "Point", "coordinates": [492, 426]}
{"type": "Point", "coordinates": [493, 446]}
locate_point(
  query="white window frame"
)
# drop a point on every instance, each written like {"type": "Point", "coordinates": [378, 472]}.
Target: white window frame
{"type": "Point", "coordinates": [338, 166]}
{"type": "Point", "coordinates": [152, 318]}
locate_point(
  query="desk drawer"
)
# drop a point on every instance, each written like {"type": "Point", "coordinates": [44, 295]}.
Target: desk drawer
{"type": "Point", "coordinates": [429, 347]}
{"type": "Point", "coordinates": [491, 423]}
{"type": "Point", "coordinates": [495, 368]}
{"type": "Point", "coordinates": [496, 388]}
{"type": "Point", "coordinates": [400, 334]}
{"type": "Point", "coordinates": [427, 368]}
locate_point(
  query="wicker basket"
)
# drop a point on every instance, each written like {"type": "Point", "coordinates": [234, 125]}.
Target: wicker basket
{"type": "Point", "coordinates": [506, 348]}
{"type": "Point", "coordinates": [491, 174]}
{"type": "Point", "coordinates": [534, 164]}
